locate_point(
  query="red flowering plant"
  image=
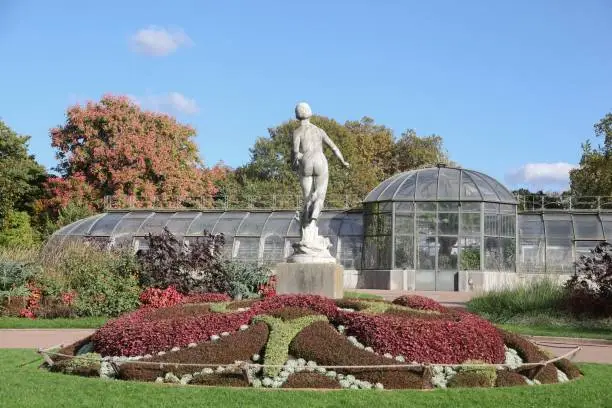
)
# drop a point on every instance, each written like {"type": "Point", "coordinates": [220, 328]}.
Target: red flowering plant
{"type": "Point", "coordinates": [268, 289]}
{"type": "Point", "coordinates": [419, 303]}
{"type": "Point", "coordinates": [33, 302]}
{"type": "Point", "coordinates": [156, 298]}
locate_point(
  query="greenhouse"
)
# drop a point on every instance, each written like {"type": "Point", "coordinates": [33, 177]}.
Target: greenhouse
{"type": "Point", "coordinates": [437, 228]}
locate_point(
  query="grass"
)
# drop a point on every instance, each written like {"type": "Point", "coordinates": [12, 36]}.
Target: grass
{"type": "Point", "coordinates": [537, 308]}
{"type": "Point", "coordinates": [358, 295]}
{"type": "Point", "coordinates": [24, 385]}
{"type": "Point", "coordinates": [76, 323]}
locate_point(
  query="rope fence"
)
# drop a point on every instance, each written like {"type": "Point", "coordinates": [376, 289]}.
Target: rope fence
{"type": "Point", "coordinates": [46, 353]}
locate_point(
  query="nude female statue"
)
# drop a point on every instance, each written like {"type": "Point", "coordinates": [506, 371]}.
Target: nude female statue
{"type": "Point", "coordinates": [309, 160]}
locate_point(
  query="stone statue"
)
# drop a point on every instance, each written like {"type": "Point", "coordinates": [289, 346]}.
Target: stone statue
{"type": "Point", "coordinates": [311, 164]}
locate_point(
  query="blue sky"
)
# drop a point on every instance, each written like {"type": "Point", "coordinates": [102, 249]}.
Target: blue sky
{"type": "Point", "coordinates": [514, 87]}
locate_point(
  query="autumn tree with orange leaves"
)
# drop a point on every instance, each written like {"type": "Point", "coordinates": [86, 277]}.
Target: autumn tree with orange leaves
{"type": "Point", "coordinates": [140, 158]}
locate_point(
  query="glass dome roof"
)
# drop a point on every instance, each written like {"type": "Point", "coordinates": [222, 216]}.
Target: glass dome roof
{"type": "Point", "coordinates": [441, 184]}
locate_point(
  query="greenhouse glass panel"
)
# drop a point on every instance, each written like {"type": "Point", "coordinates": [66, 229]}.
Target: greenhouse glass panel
{"type": "Point", "coordinates": [352, 224]}
{"type": "Point", "coordinates": [81, 227]}
{"type": "Point", "coordinates": [426, 223]}
{"type": "Point", "coordinates": [205, 222]}
{"type": "Point", "coordinates": [531, 225]}
{"type": "Point", "coordinates": [246, 248]}
{"type": "Point", "coordinates": [131, 223]}
{"type": "Point", "coordinates": [448, 184]}
{"type": "Point", "coordinates": [425, 207]}
{"type": "Point", "coordinates": [427, 184]}
{"type": "Point", "coordinates": [583, 248]}
{"type": "Point", "coordinates": [329, 223]}
{"type": "Point", "coordinates": [606, 220]}
{"type": "Point", "coordinates": [228, 223]}
{"type": "Point", "coordinates": [404, 252]}
{"type": "Point", "coordinates": [106, 224]}
{"type": "Point", "coordinates": [274, 248]}
{"type": "Point", "coordinates": [491, 225]}
{"type": "Point", "coordinates": [448, 206]}
{"type": "Point", "coordinates": [447, 253]}
{"type": "Point", "coordinates": [507, 226]}
{"type": "Point", "coordinates": [294, 228]}
{"type": "Point", "coordinates": [392, 187]}
{"type": "Point", "coordinates": [491, 208]}
{"type": "Point", "coordinates": [155, 224]}
{"type": "Point", "coordinates": [470, 224]}
{"type": "Point", "coordinates": [375, 193]}
{"type": "Point", "coordinates": [179, 223]}
{"type": "Point", "coordinates": [485, 189]}
{"type": "Point", "coordinates": [278, 223]}
{"type": "Point", "coordinates": [469, 189]}
{"type": "Point", "coordinates": [502, 193]}
{"type": "Point", "coordinates": [587, 226]}
{"type": "Point", "coordinates": [532, 254]}
{"type": "Point", "coordinates": [558, 226]}
{"type": "Point", "coordinates": [470, 253]}
{"type": "Point", "coordinates": [404, 207]}
{"type": "Point", "coordinates": [426, 253]}
{"type": "Point", "coordinates": [350, 256]}
{"type": "Point", "coordinates": [404, 224]}
{"type": "Point", "coordinates": [508, 254]}
{"type": "Point", "coordinates": [559, 258]}
{"type": "Point", "coordinates": [471, 207]}
{"type": "Point", "coordinates": [493, 254]}
{"type": "Point", "coordinates": [407, 190]}
{"type": "Point", "coordinates": [253, 224]}
{"type": "Point", "coordinates": [370, 254]}
{"type": "Point", "coordinates": [448, 223]}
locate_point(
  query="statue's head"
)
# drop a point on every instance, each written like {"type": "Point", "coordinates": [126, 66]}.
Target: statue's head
{"type": "Point", "coordinates": [302, 111]}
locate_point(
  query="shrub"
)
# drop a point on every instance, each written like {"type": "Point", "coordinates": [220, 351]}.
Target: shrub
{"type": "Point", "coordinates": [590, 289]}
{"type": "Point", "coordinates": [319, 304]}
{"type": "Point", "coordinates": [245, 279]}
{"type": "Point", "coordinates": [507, 378]}
{"type": "Point", "coordinates": [16, 231]}
{"type": "Point", "coordinates": [196, 268]}
{"type": "Point", "coordinates": [281, 334]}
{"type": "Point", "coordinates": [310, 380]}
{"type": "Point", "coordinates": [14, 277]}
{"type": "Point", "coordinates": [474, 376]}
{"type": "Point", "coordinates": [105, 282]}
{"type": "Point", "coordinates": [87, 365]}
{"type": "Point", "coordinates": [150, 330]}
{"type": "Point", "coordinates": [541, 296]}
{"type": "Point", "coordinates": [239, 346]}
{"type": "Point", "coordinates": [419, 303]}
{"type": "Point", "coordinates": [429, 341]}
{"type": "Point", "coordinates": [322, 343]}
{"type": "Point", "coordinates": [156, 298]}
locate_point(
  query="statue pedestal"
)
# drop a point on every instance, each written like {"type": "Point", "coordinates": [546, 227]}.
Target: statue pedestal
{"type": "Point", "coordinates": [324, 279]}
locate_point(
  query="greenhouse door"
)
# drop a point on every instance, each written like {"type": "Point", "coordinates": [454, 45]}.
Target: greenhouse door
{"type": "Point", "coordinates": [436, 266]}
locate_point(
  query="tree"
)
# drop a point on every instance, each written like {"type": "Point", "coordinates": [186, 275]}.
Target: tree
{"type": "Point", "coordinates": [140, 158]}
{"type": "Point", "coordinates": [16, 230]}
{"type": "Point", "coordinates": [594, 176]}
{"type": "Point", "coordinates": [412, 151]}
{"type": "Point", "coordinates": [21, 177]}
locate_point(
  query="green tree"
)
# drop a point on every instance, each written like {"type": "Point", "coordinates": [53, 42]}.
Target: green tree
{"type": "Point", "coordinates": [21, 177]}
{"type": "Point", "coordinates": [412, 151]}
{"type": "Point", "coordinates": [594, 176]}
{"type": "Point", "coordinates": [16, 230]}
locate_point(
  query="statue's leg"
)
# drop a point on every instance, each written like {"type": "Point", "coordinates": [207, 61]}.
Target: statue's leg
{"type": "Point", "coordinates": [306, 183]}
{"type": "Point", "coordinates": [320, 190]}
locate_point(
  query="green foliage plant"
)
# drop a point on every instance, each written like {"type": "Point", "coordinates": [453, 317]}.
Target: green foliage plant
{"type": "Point", "coordinates": [281, 334]}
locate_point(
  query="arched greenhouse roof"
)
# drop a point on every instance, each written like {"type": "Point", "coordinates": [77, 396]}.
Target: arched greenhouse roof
{"type": "Point", "coordinates": [441, 184]}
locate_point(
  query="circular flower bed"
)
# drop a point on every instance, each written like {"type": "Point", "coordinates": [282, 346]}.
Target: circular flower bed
{"type": "Point", "coordinates": [306, 341]}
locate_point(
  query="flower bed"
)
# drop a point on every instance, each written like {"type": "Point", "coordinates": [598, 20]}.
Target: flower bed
{"type": "Point", "coordinates": [306, 341]}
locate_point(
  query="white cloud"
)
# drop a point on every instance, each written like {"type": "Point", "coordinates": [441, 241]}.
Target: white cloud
{"type": "Point", "coordinates": [542, 175]}
{"type": "Point", "coordinates": [158, 41]}
{"type": "Point", "coordinates": [172, 102]}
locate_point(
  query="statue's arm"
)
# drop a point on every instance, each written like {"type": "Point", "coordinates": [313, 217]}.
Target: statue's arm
{"type": "Point", "coordinates": [296, 150]}
{"type": "Point", "coordinates": [334, 148]}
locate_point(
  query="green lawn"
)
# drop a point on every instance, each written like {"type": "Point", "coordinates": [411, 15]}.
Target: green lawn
{"type": "Point", "coordinates": [76, 323]}
{"type": "Point", "coordinates": [27, 386]}
{"type": "Point", "coordinates": [559, 331]}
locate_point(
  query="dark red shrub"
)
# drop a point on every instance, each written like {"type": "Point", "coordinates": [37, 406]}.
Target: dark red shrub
{"type": "Point", "coordinates": [207, 298]}
{"type": "Point", "coordinates": [142, 332]}
{"type": "Point", "coordinates": [464, 337]}
{"type": "Point", "coordinates": [319, 304]}
{"type": "Point", "coordinates": [419, 303]}
{"type": "Point", "coordinates": [156, 298]}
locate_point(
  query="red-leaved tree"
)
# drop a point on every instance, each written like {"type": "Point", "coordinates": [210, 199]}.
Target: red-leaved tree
{"type": "Point", "coordinates": [140, 158]}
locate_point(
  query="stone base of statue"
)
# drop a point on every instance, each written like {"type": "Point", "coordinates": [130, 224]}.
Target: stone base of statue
{"type": "Point", "coordinates": [324, 279]}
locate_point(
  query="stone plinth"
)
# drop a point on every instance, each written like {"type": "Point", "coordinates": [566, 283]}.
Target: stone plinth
{"type": "Point", "coordinates": [324, 279]}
